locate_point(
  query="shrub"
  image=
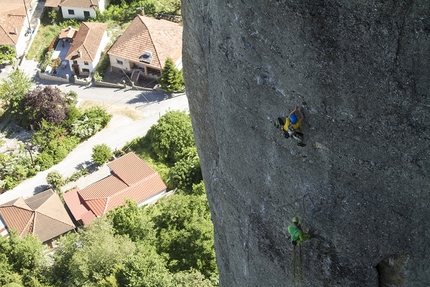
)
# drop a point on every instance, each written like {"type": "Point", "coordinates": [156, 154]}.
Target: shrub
{"type": "Point", "coordinates": [55, 179]}
{"type": "Point", "coordinates": [101, 154]}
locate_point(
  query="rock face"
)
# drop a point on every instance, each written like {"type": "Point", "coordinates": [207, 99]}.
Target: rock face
{"type": "Point", "coordinates": [361, 70]}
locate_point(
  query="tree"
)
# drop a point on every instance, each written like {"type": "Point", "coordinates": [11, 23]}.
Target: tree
{"type": "Point", "coordinates": [132, 220]}
{"type": "Point", "coordinates": [12, 91]}
{"type": "Point", "coordinates": [186, 171]}
{"type": "Point", "coordinates": [7, 54]}
{"type": "Point", "coordinates": [44, 103]}
{"type": "Point", "coordinates": [171, 135]}
{"type": "Point", "coordinates": [185, 234]}
{"type": "Point", "coordinates": [145, 269]}
{"type": "Point", "coordinates": [90, 256]}
{"type": "Point", "coordinates": [55, 179]}
{"type": "Point", "coordinates": [171, 78]}
{"type": "Point", "coordinates": [101, 154]}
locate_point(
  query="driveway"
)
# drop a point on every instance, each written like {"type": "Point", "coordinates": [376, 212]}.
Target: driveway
{"type": "Point", "coordinates": [120, 130]}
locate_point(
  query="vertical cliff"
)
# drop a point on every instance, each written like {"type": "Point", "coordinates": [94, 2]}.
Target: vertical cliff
{"type": "Point", "coordinates": [361, 70]}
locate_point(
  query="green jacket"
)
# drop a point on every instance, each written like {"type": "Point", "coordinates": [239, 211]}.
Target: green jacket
{"type": "Point", "coordinates": [296, 233]}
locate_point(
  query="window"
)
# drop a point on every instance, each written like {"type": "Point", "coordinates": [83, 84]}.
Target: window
{"type": "Point", "coordinates": [86, 63]}
{"type": "Point", "coordinates": [86, 14]}
{"type": "Point", "coordinates": [119, 62]}
{"type": "Point", "coordinates": [75, 62]}
{"type": "Point", "coordinates": [71, 12]}
{"type": "Point", "coordinates": [85, 71]}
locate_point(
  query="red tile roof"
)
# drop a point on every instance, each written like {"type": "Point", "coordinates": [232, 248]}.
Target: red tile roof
{"type": "Point", "coordinates": [42, 215]}
{"type": "Point", "coordinates": [77, 207]}
{"type": "Point", "coordinates": [161, 37]}
{"type": "Point", "coordinates": [12, 17]}
{"type": "Point", "coordinates": [131, 178]}
{"type": "Point", "coordinates": [87, 41]}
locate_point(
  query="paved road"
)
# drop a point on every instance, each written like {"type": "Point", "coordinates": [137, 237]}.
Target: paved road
{"type": "Point", "coordinates": [120, 130]}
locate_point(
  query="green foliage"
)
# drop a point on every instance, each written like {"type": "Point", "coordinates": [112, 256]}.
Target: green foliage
{"type": "Point", "coordinates": [46, 60]}
{"type": "Point", "coordinates": [144, 269]}
{"type": "Point", "coordinates": [7, 54]}
{"type": "Point", "coordinates": [44, 103]}
{"type": "Point", "coordinates": [131, 220]}
{"type": "Point", "coordinates": [77, 175]}
{"type": "Point", "coordinates": [101, 154]}
{"type": "Point", "coordinates": [90, 122]}
{"type": "Point", "coordinates": [193, 278]}
{"type": "Point", "coordinates": [12, 91]}
{"type": "Point", "coordinates": [171, 79]}
{"type": "Point", "coordinates": [23, 254]}
{"type": "Point", "coordinates": [14, 168]}
{"type": "Point", "coordinates": [186, 171]}
{"type": "Point", "coordinates": [86, 258]}
{"type": "Point", "coordinates": [185, 234]}
{"type": "Point", "coordinates": [72, 116]}
{"type": "Point", "coordinates": [55, 179]}
{"type": "Point", "coordinates": [170, 136]}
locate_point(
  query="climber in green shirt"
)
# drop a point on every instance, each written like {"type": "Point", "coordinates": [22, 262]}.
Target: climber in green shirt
{"type": "Point", "coordinates": [297, 234]}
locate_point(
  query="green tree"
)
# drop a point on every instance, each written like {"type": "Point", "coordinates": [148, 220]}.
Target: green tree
{"type": "Point", "coordinates": [44, 103]}
{"type": "Point", "coordinates": [90, 256]}
{"type": "Point", "coordinates": [132, 220]}
{"type": "Point", "coordinates": [186, 171]}
{"type": "Point", "coordinates": [55, 179]}
{"type": "Point", "coordinates": [7, 54]}
{"type": "Point", "coordinates": [193, 278]}
{"type": "Point", "coordinates": [101, 154]}
{"type": "Point", "coordinates": [171, 79]}
{"type": "Point", "coordinates": [170, 136]}
{"type": "Point", "coordinates": [145, 269]}
{"type": "Point", "coordinates": [24, 257]}
{"type": "Point", "coordinates": [185, 234]}
{"type": "Point", "coordinates": [12, 91]}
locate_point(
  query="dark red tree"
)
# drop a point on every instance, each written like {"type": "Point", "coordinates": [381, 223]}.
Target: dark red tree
{"type": "Point", "coordinates": [44, 103]}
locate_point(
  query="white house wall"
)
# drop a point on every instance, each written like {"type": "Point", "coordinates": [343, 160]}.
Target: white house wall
{"type": "Point", "coordinates": [178, 63]}
{"type": "Point", "coordinates": [3, 229]}
{"type": "Point", "coordinates": [78, 12]}
{"type": "Point", "coordinates": [114, 63]}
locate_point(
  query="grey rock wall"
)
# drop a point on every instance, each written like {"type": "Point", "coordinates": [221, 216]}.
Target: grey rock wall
{"type": "Point", "coordinates": [361, 70]}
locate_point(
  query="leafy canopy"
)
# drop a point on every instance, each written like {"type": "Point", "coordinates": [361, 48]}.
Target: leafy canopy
{"type": "Point", "coordinates": [12, 91]}
{"type": "Point", "coordinates": [44, 103]}
{"type": "Point", "coordinates": [101, 154]}
{"type": "Point", "coordinates": [172, 134]}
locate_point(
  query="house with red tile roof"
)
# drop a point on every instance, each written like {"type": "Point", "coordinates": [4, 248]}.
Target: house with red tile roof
{"type": "Point", "coordinates": [130, 178]}
{"type": "Point", "coordinates": [77, 9]}
{"type": "Point", "coordinates": [14, 23]}
{"type": "Point", "coordinates": [143, 48]}
{"type": "Point", "coordinates": [86, 49]}
{"type": "Point", "coordinates": [42, 215]}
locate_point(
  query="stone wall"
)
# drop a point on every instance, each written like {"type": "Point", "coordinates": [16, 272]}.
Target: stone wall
{"type": "Point", "coordinates": [361, 70]}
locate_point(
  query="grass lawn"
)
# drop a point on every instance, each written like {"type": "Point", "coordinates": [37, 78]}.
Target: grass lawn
{"type": "Point", "coordinates": [45, 35]}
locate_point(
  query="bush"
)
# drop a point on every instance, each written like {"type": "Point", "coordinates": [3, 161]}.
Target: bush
{"type": "Point", "coordinates": [44, 161]}
{"type": "Point", "coordinates": [101, 154]}
{"type": "Point", "coordinates": [55, 179]}
{"type": "Point", "coordinates": [90, 122]}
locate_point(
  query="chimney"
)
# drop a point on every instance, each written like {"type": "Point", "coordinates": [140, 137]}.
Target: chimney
{"type": "Point", "coordinates": [143, 12]}
{"type": "Point", "coordinates": [79, 53]}
{"type": "Point", "coordinates": [15, 31]}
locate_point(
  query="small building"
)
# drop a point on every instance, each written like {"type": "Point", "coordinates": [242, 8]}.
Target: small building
{"type": "Point", "coordinates": [42, 215]}
{"type": "Point", "coordinates": [14, 23]}
{"type": "Point", "coordinates": [77, 9]}
{"type": "Point", "coordinates": [130, 178]}
{"type": "Point", "coordinates": [143, 48]}
{"type": "Point", "coordinates": [86, 49]}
